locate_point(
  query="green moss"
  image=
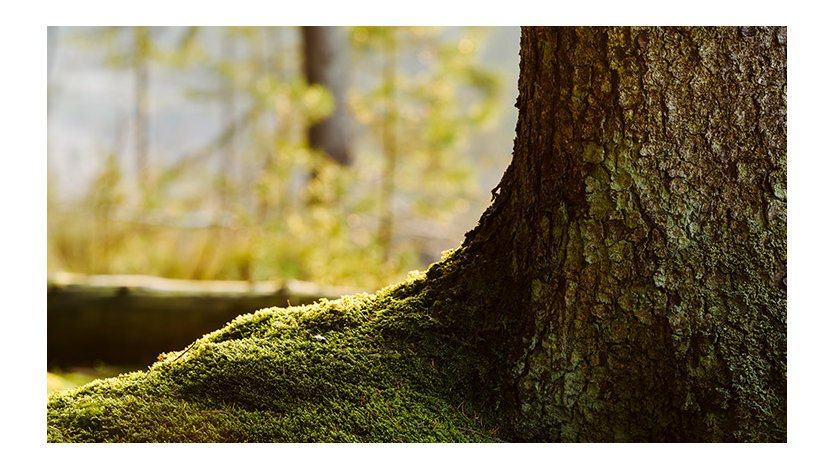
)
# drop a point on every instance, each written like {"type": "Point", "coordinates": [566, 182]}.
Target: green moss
{"type": "Point", "coordinates": [593, 153]}
{"type": "Point", "coordinates": [364, 368]}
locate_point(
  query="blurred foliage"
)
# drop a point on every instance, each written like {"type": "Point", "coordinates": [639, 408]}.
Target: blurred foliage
{"type": "Point", "coordinates": [255, 202]}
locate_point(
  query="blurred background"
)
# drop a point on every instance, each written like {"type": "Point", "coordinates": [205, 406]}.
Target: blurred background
{"type": "Point", "coordinates": [303, 161]}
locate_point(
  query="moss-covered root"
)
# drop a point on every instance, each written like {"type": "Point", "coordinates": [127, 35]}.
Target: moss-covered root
{"type": "Point", "coordinates": [360, 369]}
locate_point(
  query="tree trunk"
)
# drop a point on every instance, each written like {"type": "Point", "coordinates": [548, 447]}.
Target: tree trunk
{"type": "Point", "coordinates": [324, 64]}
{"type": "Point", "coordinates": [639, 237]}
{"type": "Point", "coordinates": [628, 282]}
{"type": "Point", "coordinates": [141, 52]}
{"type": "Point", "coordinates": [389, 144]}
{"type": "Point", "coordinates": [228, 106]}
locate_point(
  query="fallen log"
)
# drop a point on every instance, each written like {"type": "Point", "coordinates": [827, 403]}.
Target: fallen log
{"type": "Point", "coordinates": [130, 319]}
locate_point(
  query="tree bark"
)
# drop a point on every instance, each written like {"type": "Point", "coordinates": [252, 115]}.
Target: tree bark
{"type": "Point", "coordinates": [628, 282]}
{"type": "Point", "coordinates": [632, 267]}
{"type": "Point", "coordinates": [324, 53]}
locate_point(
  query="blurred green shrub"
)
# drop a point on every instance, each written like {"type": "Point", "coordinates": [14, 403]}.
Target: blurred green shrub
{"type": "Point", "coordinates": [256, 202]}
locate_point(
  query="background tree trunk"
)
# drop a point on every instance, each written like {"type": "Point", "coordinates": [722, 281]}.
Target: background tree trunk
{"type": "Point", "coordinates": [389, 143]}
{"type": "Point", "coordinates": [639, 237]}
{"type": "Point", "coordinates": [324, 64]}
{"type": "Point", "coordinates": [141, 53]}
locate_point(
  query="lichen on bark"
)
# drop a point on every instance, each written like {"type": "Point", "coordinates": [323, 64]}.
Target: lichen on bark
{"type": "Point", "coordinates": [626, 284]}
{"type": "Point", "coordinates": [665, 147]}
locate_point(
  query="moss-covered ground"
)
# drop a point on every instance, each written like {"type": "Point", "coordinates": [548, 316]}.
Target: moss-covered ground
{"type": "Point", "coordinates": [364, 368]}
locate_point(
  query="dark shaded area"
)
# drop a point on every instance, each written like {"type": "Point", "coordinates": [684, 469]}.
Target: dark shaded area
{"type": "Point", "coordinates": [114, 320]}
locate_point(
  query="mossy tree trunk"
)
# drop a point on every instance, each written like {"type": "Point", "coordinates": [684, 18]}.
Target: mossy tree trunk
{"type": "Point", "coordinates": [628, 282]}
{"type": "Point", "coordinates": [631, 271]}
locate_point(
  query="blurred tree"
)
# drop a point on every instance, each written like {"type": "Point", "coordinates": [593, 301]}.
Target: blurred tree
{"type": "Point", "coordinates": [132, 48]}
{"type": "Point", "coordinates": [52, 33]}
{"type": "Point", "coordinates": [138, 49]}
{"type": "Point", "coordinates": [416, 111]}
{"type": "Point", "coordinates": [106, 197]}
{"type": "Point", "coordinates": [325, 64]}
{"type": "Point", "coordinates": [428, 96]}
{"type": "Point", "coordinates": [140, 63]}
{"type": "Point", "coordinates": [228, 111]}
{"type": "Point", "coordinates": [389, 140]}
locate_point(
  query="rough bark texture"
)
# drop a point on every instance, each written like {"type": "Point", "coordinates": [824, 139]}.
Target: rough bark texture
{"type": "Point", "coordinates": [628, 282]}
{"type": "Point", "coordinates": [639, 236]}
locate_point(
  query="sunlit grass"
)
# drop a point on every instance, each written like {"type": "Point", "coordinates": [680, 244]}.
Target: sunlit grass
{"type": "Point", "coordinates": [58, 379]}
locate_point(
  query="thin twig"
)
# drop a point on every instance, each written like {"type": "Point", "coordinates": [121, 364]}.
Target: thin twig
{"type": "Point", "coordinates": [184, 351]}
